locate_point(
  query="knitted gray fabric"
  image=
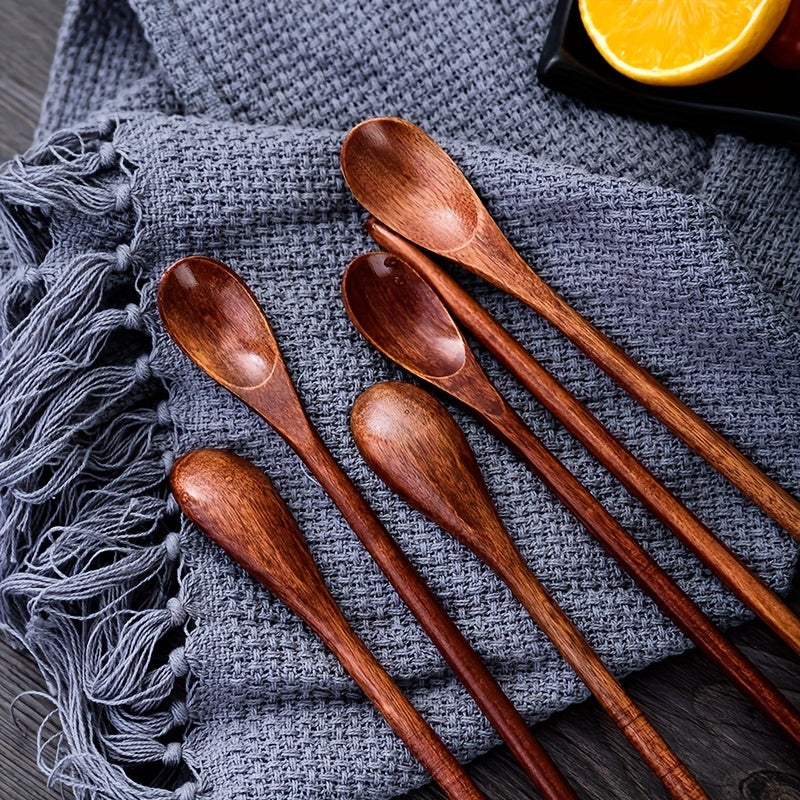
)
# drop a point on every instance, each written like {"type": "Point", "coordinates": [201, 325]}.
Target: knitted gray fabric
{"type": "Point", "coordinates": [186, 127]}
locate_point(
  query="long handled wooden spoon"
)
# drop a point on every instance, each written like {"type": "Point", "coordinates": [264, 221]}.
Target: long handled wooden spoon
{"type": "Point", "coordinates": [215, 319]}
{"type": "Point", "coordinates": [599, 441]}
{"type": "Point", "coordinates": [416, 448]}
{"type": "Point", "coordinates": [402, 176]}
{"type": "Point", "coordinates": [401, 315]}
{"type": "Point", "coordinates": [235, 504]}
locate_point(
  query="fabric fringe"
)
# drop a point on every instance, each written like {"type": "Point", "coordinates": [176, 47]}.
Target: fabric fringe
{"type": "Point", "coordinates": [89, 536]}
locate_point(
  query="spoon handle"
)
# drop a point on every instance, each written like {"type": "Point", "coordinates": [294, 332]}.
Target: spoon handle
{"type": "Point", "coordinates": [237, 507]}
{"type": "Point", "coordinates": [417, 449]}
{"type": "Point", "coordinates": [569, 641]}
{"type": "Point", "coordinates": [599, 441]}
{"type": "Point", "coordinates": [403, 717]}
{"type": "Point", "coordinates": [652, 579]}
{"type": "Point", "coordinates": [527, 286]}
{"type": "Point", "coordinates": [441, 629]}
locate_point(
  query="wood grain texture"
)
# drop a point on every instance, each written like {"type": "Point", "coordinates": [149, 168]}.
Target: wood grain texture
{"type": "Point", "coordinates": [22, 710]}
{"type": "Point", "coordinates": [236, 506]}
{"type": "Point", "coordinates": [401, 315]}
{"type": "Point", "coordinates": [599, 441]}
{"type": "Point", "coordinates": [417, 449]}
{"type": "Point", "coordinates": [215, 319]}
{"type": "Point", "coordinates": [402, 177]}
{"type": "Point", "coordinates": [28, 34]}
{"type": "Point", "coordinates": [27, 41]}
{"type": "Point", "coordinates": [749, 762]}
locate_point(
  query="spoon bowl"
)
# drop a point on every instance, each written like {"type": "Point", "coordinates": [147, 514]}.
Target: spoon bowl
{"type": "Point", "coordinates": [415, 447]}
{"type": "Point", "coordinates": [398, 312]}
{"type": "Point", "coordinates": [238, 508]}
{"type": "Point", "coordinates": [215, 319]}
{"type": "Point", "coordinates": [439, 207]}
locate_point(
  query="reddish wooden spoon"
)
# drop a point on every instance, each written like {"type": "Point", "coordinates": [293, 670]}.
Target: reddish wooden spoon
{"type": "Point", "coordinates": [402, 176]}
{"type": "Point", "coordinates": [416, 448]}
{"type": "Point", "coordinates": [403, 317]}
{"type": "Point", "coordinates": [598, 440]}
{"type": "Point", "coordinates": [235, 504]}
{"type": "Point", "coordinates": [215, 319]}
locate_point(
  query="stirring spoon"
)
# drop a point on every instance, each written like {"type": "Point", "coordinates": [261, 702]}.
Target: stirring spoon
{"type": "Point", "coordinates": [400, 314]}
{"type": "Point", "coordinates": [417, 449]}
{"type": "Point", "coordinates": [237, 507]}
{"type": "Point", "coordinates": [215, 319]}
{"type": "Point", "coordinates": [598, 440]}
{"type": "Point", "coordinates": [403, 177]}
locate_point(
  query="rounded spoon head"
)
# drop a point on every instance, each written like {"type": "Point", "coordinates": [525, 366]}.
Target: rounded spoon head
{"type": "Point", "coordinates": [399, 313]}
{"type": "Point", "coordinates": [236, 506]}
{"type": "Point", "coordinates": [216, 320]}
{"type": "Point", "coordinates": [416, 448]}
{"type": "Point", "coordinates": [399, 174]}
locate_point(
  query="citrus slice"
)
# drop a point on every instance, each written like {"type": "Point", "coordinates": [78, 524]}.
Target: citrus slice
{"type": "Point", "coordinates": [680, 42]}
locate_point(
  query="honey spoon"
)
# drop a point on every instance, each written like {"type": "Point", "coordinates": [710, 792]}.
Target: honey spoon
{"type": "Point", "coordinates": [236, 506]}
{"type": "Point", "coordinates": [215, 319]}
{"type": "Point", "coordinates": [403, 317]}
{"type": "Point", "coordinates": [417, 449]}
{"type": "Point", "coordinates": [405, 179]}
{"type": "Point", "coordinates": [598, 440]}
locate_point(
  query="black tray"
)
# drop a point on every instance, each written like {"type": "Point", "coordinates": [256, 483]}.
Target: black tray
{"type": "Point", "coordinates": [758, 100]}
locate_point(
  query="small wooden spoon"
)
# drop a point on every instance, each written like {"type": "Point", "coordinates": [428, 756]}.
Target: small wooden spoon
{"type": "Point", "coordinates": [215, 319]}
{"type": "Point", "coordinates": [417, 449]}
{"type": "Point", "coordinates": [236, 506]}
{"type": "Point", "coordinates": [597, 439]}
{"type": "Point", "coordinates": [402, 176]}
{"type": "Point", "coordinates": [403, 317]}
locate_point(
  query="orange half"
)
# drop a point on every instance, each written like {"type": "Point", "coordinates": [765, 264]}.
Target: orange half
{"type": "Point", "coordinates": [680, 42]}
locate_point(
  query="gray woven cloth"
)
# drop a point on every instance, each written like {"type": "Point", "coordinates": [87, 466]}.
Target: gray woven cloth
{"type": "Point", "coordinates": [197, 127]}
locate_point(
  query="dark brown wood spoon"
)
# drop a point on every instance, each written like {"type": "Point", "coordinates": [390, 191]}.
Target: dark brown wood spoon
{"type": "Point", "coordinates": [417, 449]}
{"type": "Point", "coordinates": [236, 506]}
{"type": "Point", "coordinates": [403, 317]}
{"type": "Point", "coordinates": [597, 439]}
{"type": "Point", "coordinates": [216, 320]}
{"type": "Point", "coordinates": [403, 177]}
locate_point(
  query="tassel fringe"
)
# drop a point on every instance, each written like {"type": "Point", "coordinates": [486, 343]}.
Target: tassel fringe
{"type": "Point", "coordinates": [89, 537]}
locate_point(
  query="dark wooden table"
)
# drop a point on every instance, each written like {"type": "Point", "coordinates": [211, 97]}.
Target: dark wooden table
{"type": "Point", "coordinates": [731, 749]}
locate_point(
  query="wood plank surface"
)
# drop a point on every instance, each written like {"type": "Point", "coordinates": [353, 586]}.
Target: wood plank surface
{"type": "Point", "coordinates": [28, 33]}
{"type": "Point", "coordinates": [732, 750]}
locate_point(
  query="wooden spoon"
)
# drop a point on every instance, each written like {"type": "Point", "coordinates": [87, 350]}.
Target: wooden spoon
{"type": "Point", "coordinates": [401, 315]}
{"type": "Point", "coordinates": [215, 319]}
{"type": "Point", "coordinates": [597, 439]}
{"type": "Point", "coordinates": [417, 449]}
{"type": "Point", "coordinates": [236, 506]}
{"type": "Point", "coordinates": [402, 176]}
